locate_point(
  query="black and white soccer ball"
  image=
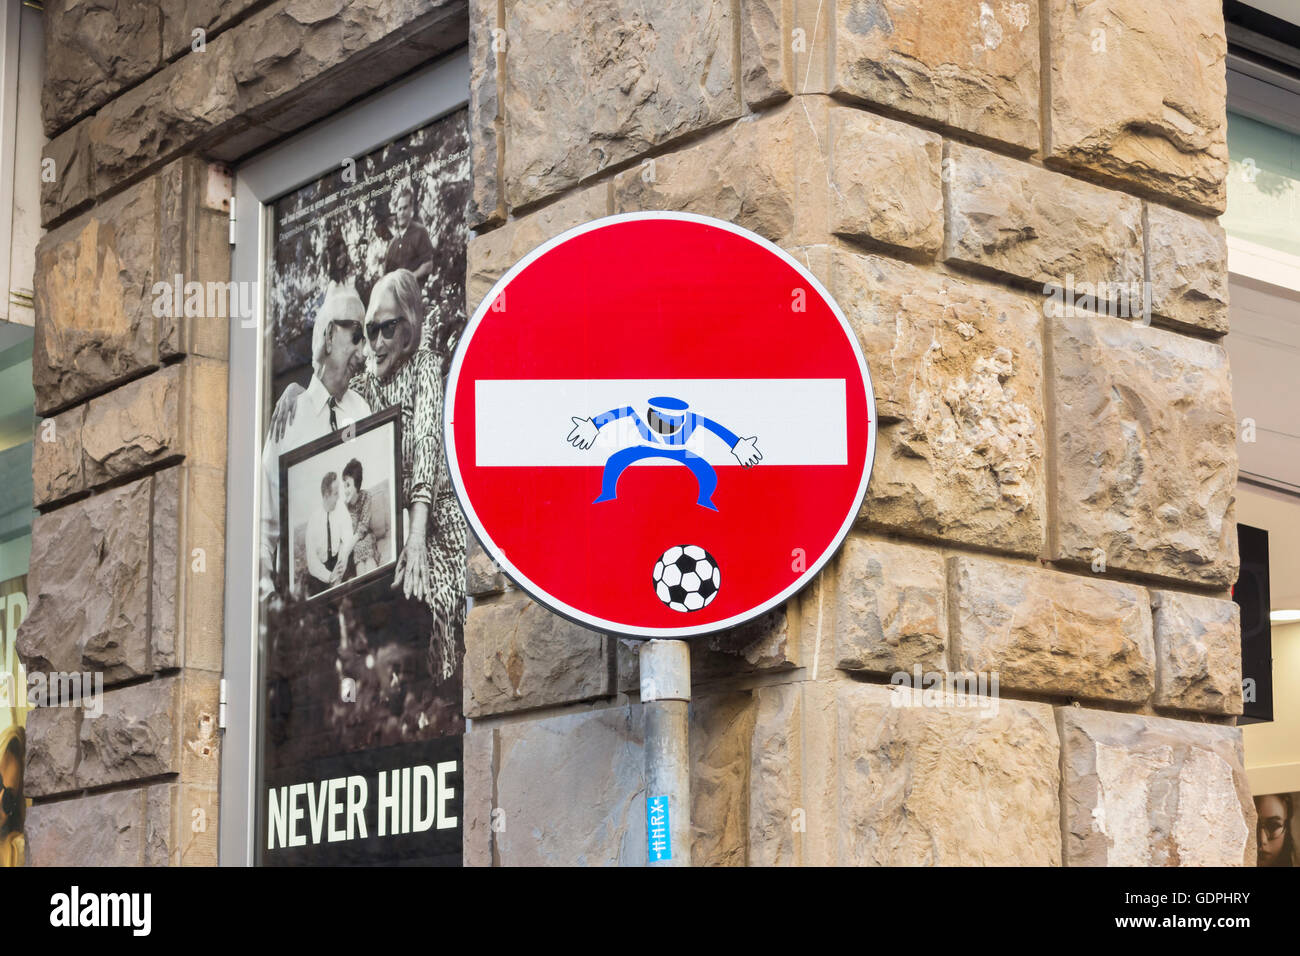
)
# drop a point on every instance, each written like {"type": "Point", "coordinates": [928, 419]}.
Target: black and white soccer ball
{"type": "Point", "coordinates": [687, 578]}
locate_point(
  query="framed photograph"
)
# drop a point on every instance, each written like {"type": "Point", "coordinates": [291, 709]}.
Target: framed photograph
{"type": "Point", "coordinates": [339, 509]}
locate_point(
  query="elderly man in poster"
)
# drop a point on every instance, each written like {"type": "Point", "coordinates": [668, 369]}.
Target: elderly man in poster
{"type": "Point", "coordinates": [327, 404]}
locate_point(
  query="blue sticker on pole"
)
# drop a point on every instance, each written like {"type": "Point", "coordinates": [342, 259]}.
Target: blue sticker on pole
{"type": "Point", "coordinates": [658, 839]}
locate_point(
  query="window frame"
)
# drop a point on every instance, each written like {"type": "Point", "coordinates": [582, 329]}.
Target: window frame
{"type": "Point", "coordinates": [415, 101]}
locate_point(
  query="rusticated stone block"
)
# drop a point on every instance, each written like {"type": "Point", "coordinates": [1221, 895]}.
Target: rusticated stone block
{"type": "Point", "coordinates": [1145, 455]}
{"type": "Point", "coordinates": [182, 17]}
{"type": "Point", "coordinates": [1051, 632]}
{"type": "Point", "coordinates": [1012, 219]}
{"type": "Point", "coordinates": [890, 608]}
{"type": "Point", "coordinates": [89, 581]}
{"type": "Point", "coordinates": [766, 54]}
{"type": "Point", "coordinates": [590, 86]}
{"type": "Point", "coordinates": [518, 655]}
{"type": "Point", "coordinates": [483, 576]}
{"type": "Point", "coordinates": [775, 776]}
{"type": "Point", "coordinates": [136, 735]}
{"type": "Point", "coordinates": [51, 751]}
{"type": "Point", "coordinates": [68, 158]}
{"type": "Point", "coordinates": [94, 50]}
{"type": "Point", "coordinates": [132, 427]}
{"type": "Point", "coordinates": [104, 829]}
{"type": "Point", "coordinates": [957, 368]}
{"type": "Point", "coordinates": [1162, 123]}
{"type": "Point", "coordinates": [274, 72]}
{"type": "Point", "coordinates": [487, 53]}
{"type": "Point", "coordinates": [1187, 262]}
{"type": "Point", "coordinates": [1150, 791]}
{"type": "Point", "coordinates": [165, 575]}
{"type": "Point", "coordinates": [94, 318]}
{"type": "Point", "coordinates": [971, 67]}
{"type": "Point", "coordinates": [56, 457]}
{"type": "Point", "coordinates": [1198, 649]}
{"type": "Point", "coordinates": [492, 254]}
{"type": "Point", "coordinates": [572, 790]}
{"type": "Point", "coordinates": [946, 786]}
{"type": "Point", "coordinates": [885, 177]}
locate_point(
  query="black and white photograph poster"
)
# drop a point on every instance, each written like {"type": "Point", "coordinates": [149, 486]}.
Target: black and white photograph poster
{"type": "Point", "coordinates": [362, 551]}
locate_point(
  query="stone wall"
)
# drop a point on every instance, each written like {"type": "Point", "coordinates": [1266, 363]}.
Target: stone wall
{"type": "Point", "coordinates": [144, 102]}
{"type": "Point", "coordinates": [1052, 497]}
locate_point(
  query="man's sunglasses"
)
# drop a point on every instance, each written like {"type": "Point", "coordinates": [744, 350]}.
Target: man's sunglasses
{"type": "Point", "coordinates": [354, 326]}
{"type": "Point", "coordinates": [386, 329]}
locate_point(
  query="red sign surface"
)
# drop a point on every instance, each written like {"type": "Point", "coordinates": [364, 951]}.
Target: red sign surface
{"type": "Point", "coordinates": [660, 425]}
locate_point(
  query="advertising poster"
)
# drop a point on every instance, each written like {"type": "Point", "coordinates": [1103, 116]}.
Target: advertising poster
{"type": "Point", "coordinates": [362, 564]}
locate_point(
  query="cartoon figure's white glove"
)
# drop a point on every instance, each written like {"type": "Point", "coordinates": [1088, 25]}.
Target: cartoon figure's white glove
{"type": "Point", "coordinates": [584, 432]}
{"type": "Point", "coordinates": [747, 452]}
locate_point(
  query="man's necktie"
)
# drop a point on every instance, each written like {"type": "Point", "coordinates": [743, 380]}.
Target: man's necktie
{"type": "Point", "coordinates": [329, 539]}
{"type": "Point", "coordinates": [334, 422]}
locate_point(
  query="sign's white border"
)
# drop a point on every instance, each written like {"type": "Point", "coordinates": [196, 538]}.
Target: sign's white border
{"type": "Point", "coordinates": [541, 595]}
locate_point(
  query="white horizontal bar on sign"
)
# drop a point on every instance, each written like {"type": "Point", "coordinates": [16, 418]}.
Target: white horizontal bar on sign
{"type": "Point", "coordinates": [526, 422]}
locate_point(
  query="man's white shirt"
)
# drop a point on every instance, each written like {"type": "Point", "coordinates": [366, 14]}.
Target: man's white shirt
{"type": "Point", "coordinates": [311, 420]}
{"type": "Point", "coordinates": [327, 537]}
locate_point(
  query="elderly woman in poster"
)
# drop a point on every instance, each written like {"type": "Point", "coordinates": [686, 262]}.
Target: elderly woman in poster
{"type": "Point", "coordinates": [431, 564]}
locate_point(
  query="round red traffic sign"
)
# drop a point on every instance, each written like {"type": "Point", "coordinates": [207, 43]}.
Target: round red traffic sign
{"type": "Point", "coordinates": [659, 424]}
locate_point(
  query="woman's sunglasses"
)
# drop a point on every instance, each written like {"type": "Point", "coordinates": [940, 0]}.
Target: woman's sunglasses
{"type": "Point", "coordinates": [386, 329]}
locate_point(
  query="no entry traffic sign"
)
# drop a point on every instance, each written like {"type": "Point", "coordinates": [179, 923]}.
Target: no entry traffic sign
{"type": "Point", "coordinates": [659, 425]}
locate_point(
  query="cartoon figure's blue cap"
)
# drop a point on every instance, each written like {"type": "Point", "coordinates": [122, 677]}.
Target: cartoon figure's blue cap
{"type": "Point", "coordinates": [663, 403]}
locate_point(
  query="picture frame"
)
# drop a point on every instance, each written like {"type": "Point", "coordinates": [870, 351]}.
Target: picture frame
{"type": "Point", "coordinates": [375, 443]}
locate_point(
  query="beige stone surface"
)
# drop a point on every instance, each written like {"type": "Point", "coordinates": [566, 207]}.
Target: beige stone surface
{"type": "Point", "coordinates": [890, 607]}
{"type": "Point", "coordinates": [1020, 221]}
{"type": "Point", "coordinates": [590, 86]}
{"type": "Point", "coordinates": [757, 173]}
{"type": "Point", "coordinates": [775, 775]}
{"type": "Point", "coordinates": [94, 309]}
{"type": "Point", "coordinates": [766, 51]}
{"type": "Point", "coordinates": [1150, 791]}
{"type": "Point", "coordinates": [519, 655]}
{"type": "Point", "coordinates": [1145, 451]}
{"type": "Point", "coordinates": [571, 790]}
{"type": "Point", "coordinates": [89, 586]}
{"type": "Point", "coordinates": [957, 371]}
{"type": "Point", "coordinates": [721, 730]}
{"type": "Point", "coordinates": [492, 254]}
{"type": "Point", "coordinates": [1050, 632]}
{"type": "Point", "coordinates": [1198, 652]}
{"type": "Point", "coordinates": [480, 759]}
{"type": "Point", "coordinates": [945, 786]}
{"type": "Point", "coordinates": [56, 457]}
{"type": "Point", "coordinates": [181, 825]}
{"type": "Point", "coordinates": [1161, 124]}
{"type": "Point", "coordinates": [971, 67]}
{"type": "Point", "coordinates": [885, 182]}
{"type": "Point", "coordinates": [67, 155]}
{"type": "Point", "coordinates": [1187, 261]}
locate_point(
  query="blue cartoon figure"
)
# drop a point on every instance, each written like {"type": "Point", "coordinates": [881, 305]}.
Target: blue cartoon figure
{"type": "Point", "coordinates": [670, 423]}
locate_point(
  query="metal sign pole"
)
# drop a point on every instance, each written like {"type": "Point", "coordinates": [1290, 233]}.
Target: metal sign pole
{"type": "Point", "coordinates": [665, 697]}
